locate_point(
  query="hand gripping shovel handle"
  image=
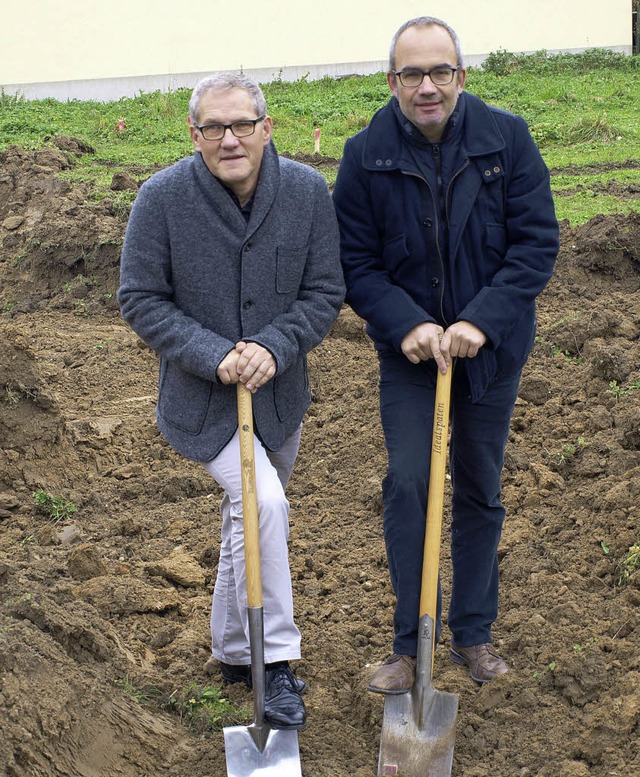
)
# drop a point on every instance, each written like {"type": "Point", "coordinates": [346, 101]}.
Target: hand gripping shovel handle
{"type": "Point", "coordinates": [435, 501]}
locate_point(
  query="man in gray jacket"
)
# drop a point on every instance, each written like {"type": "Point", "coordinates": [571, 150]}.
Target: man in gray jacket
{"type": "Point", "coordinates": [231, 273]}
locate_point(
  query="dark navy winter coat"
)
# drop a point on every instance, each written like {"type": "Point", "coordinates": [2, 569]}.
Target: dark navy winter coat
{"type": "Point", "coordinates": [486, 181]}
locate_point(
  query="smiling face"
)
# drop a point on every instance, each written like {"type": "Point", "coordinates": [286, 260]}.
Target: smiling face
{"type": "Point", "coordinates": [234, 161]}
{"type": "Point", "coordinates": [427, 106]}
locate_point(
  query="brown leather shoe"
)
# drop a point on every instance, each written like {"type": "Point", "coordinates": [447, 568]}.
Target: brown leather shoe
{"type": "Point", "coordinates": [483, 661]}
{"type": "Point", "coordinates": [395, 676]}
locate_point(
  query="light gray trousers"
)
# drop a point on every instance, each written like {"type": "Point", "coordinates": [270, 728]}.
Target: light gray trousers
{"type": "Point", "coordinates": [229, 622]}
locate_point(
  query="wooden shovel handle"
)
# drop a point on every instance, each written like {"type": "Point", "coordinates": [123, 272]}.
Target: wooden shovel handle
{"type": "Point", "coordinates": [435, 500]}
{"type": "Point", "coordinates": [249, 498]}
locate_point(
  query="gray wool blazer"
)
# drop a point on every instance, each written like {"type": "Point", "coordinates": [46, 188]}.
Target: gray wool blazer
{"type": "Point", "coordinates": [196, 278]}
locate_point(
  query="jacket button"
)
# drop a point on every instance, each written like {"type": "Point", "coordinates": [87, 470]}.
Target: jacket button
{"type": "Point", "coordinates": [247, 304]}
{"type": "Point", "coordinates": [247, 247]}
{"type": "Point", "coordinates": [435, 282]}
{"type": "Point", "coordinates": [388, 162]}
{"type": "Point", "coordinates": [496, 169]}
{"type": "Point", "coordinates": [428, 223]}
{"type": "Point", "coordinates": [378, 162]}
{"type": "Point", "coordinates": [487, 173]}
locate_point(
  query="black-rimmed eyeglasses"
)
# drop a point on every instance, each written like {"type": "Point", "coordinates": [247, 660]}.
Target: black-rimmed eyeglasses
{"type": "Point", "coordinates": [414, 76]}
{"type": "Point", "coordinates": [240, 129]}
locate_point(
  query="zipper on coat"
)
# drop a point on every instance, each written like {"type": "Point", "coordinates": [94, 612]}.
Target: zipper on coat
{"type": "Point", "coordinates": [441, 210]}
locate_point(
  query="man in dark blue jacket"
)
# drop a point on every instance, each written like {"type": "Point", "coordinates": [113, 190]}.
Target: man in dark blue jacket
{"type": "Point", "coordinates": [448, 235]}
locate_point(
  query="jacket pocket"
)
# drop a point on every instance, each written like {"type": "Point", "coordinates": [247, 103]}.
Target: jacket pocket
{"type": "Point", "coordinates": [291, 391]}
{"type": "Point", "coordinates": [395, 253]}
{"type": "Point", "coordinates": [183, 399]}
{"type": "Point", "coordinates": [290, 264]}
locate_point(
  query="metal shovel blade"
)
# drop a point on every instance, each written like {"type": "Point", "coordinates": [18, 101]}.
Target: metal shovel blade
{"type": "Point", "coordinates": [279, 756]}
{"type": "Point", "coordinates": [408, 749]}
{"type": "Point", "coordinates": [419, 727]}
{"type": "Point", "coordinates": [258, 750]}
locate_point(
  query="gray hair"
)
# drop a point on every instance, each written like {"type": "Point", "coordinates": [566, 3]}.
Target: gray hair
{"type": "Point", "coordinates": [220, 81]}
{"type": "Point", "coordinates": [424, 21]}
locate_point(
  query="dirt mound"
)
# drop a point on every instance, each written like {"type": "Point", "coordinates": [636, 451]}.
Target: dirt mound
{"type": "Point", "coordinates": [62, 249]}
{"type": "Point", "coordinates": [106, 593]}
{"type": "Point", "coordinates": [319, 161]}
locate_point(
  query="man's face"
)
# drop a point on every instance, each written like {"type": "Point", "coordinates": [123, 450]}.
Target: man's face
{"type": "Point", "coordinates": [234, 161]}
{"type": "Point", "coordinates": [427, 106]}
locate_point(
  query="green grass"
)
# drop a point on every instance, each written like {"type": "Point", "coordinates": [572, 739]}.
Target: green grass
{"type": "Point", "coordinates": [618, 391]}
{"type": "Point", "coordinates": [57, 508]}
{"type": "Point", "coordinates": [630, 565]}
{"type": "Point", "coordinates": [582, 206]}
{"type": "Point", "coordinates": [205, 708]}
{"type": "Point", "coordinates": [582, 110]}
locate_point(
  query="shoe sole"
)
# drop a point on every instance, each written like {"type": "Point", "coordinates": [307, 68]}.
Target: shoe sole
{"type": "Point", "coordinates": [280, 727]}
{"type": "Point", "coordinates": [385, 692]}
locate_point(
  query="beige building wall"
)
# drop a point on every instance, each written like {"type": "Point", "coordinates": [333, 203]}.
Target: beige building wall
{"type": "Point", "coordinates": [95, 50]}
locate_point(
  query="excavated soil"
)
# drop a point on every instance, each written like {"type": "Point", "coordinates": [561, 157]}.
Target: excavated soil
{"type": "Point", "coordinates": [104, 611]}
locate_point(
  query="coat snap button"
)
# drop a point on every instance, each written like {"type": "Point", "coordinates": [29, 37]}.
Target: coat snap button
{"type": "Point", "coordinates": [428, 223]}
{"type": "Point", "coordinates": [435, 282]}
{"type": "Point", "coordinates": [247, 304]}
{"type": "Point", "coordinates": [378, 162]}
{"type": "Point", "coordinates": [487, 173]}
{"type": "Point", "coordinates": [496, 169]}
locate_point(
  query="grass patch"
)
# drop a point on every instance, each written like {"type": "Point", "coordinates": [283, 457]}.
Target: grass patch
{"type": "Point", "coordinates": [142, 696]}
{"type": "Point", "coordinates": [618, 392]}
{"type": "Point", "coordinates": [582, 110]}
{"type": "Point", "coordinates": [630, 565]}
{"type": "Point", "coordinates": [588, 130]}
{"type": "Point", "coordinates": [56, 508]}
{"type": "Point", "coordinates": [205, 708]}
{"type": "Point", "coordinates": [201, 708]}
{"type": "Point", "coordinates": [563, 181]}
{"type": "Point", "coordinates": [581, 196]}
{"type": "Point", "coordinates": [504, 63]}
{"type": "Point", "coordinates": [582, 206]}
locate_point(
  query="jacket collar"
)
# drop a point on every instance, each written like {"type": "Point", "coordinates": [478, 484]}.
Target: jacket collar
{"type": "Point", "coordinates": [385, 146]}
{"type": "Point", "coordinates": [267, 187]}
{"type": "Point", "coordinates": [264, 195]}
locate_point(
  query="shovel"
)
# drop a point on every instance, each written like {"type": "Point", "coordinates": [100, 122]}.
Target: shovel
{"type": "Point", "coordinates": [418, 727]}
{"type": "Point", "coordinates": [256, 750]}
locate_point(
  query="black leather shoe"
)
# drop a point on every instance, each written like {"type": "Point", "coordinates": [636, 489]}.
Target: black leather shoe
{"type": "Point", "coordinates": [241, 673]}
{"type": "Point", "coordinates": [236, 673]}
{"type": "Point", "coordinates": [283, 705]}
